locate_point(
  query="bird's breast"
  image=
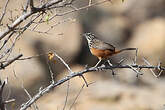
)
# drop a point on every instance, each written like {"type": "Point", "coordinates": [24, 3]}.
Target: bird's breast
{"type": "Point", "coordinates": [101, 54]}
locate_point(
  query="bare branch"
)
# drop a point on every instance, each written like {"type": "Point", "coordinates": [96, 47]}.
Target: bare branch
{"type": "Point", "coordinates": [25, 16]}
{"type": "Point", "coordinates": [66, 65]}
{"type": "Point", "coordinates": [16, 37]}
{"type": "Point", "coordinates": [31, 4]}
{"type": "Point", "coordinates": [9, 101]}
{"type": "Point", "coordinates": [5, 41]}
{"type": "Point", "coordinates": [80, 73]}
{"type": "Point", "coordinates": [89, 4]}
{"type": "Point", "coordinates": [76, 97]}
{"type": "Point", "coordinates": [135, 59]}
{"type": "Point", "coordinates": [154, 74]}
{"type": "Point", "coordinates": [135, 70]}
{"type": "Point", "coordinates": [78, 9]}
{"type": "Point", "coordinates": [46, 6]}
{"type": "Point", "coordinates": [51, 73]}
{"type": "Point", "coordinates": [31, 57]}
{"type": "Point", "coordinates": [15, 23]}
{"type": "Point", "coordinates": [7, 63]}
{"type": "Point", "coordinates": [34, 13]}
{"type": "Point", "coordinates": [4, 11]}
{"type": "Point", "coordinates": [2, 101]}
{"type": "Point", "coordinates": [52, 26]}
{"type": "Point", "coordinates": [2, 105]}
{"type": "Point", "coordinates": [67, 94]}
{"type": "Point", "coordinates": [84, 80]}
{"type": "Point", "coordinates": [26, 6]}
{"type": "Point", "coordinates": [25, 90]}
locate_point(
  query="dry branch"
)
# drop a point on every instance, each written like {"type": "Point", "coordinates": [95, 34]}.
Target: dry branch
{"type": "Point", "coordinates": [80, 73]}
{"type": "Point", "coordinates": [3, 102]}
{"type": "Point", "coordinates": [42, 8]}
{"type": "Point", "coordinates": [51, 4]}
{"type": "Point", "coordinates": [4, 11]}
{"type": "Point", "coordinates": [7, 63]}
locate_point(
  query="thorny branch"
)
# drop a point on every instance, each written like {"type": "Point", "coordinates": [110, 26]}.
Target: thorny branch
{"type": "Point", "coordinates": [134, 67]}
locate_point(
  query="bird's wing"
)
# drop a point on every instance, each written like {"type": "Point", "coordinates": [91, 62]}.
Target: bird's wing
{"type": "Point", "coordinates": [103, 46]}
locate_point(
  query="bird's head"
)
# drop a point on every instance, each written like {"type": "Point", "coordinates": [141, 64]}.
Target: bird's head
{"type": "Point", "coordinates": [89, 36]}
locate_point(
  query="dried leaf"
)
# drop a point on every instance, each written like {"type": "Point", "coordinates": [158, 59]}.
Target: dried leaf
{"type": "Point", "coordinates": [50, 56]}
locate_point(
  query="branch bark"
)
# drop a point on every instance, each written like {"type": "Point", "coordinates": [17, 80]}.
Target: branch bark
{"type": "Point", "coordinates": [7, 63]}
{"type": "Point", "coordinates": [26, 15]}
{"type": "Point", "coordinates": [80, 73]}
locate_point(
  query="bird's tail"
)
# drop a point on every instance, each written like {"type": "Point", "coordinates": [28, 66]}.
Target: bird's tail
{"type": "Point", "coordinates": [118, 51]}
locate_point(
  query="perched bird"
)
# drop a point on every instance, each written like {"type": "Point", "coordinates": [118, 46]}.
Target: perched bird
{"type": "Point", "coordinates": [101, 49]}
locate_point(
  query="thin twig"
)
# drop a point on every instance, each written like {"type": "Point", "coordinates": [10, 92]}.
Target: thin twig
{"type": "Point", "coordinates": [31, 4]}
{"type": "Point", "coordinates": [51, 73]}
{"type": "Point", "coordinates": [26, 6]}
{"type": "Point", "coordinates": [85, 7]}
{"type": "Point", "coordinates": [135, 70]}
{"type": "Point", "coordinates": [31, 57]}
{"type": "Point", "coordinates": [76, 97]}
{"type": "Point", "coordinates": [47, 6]}
{"type": "Point", "coordinates": [75, 74]}
{"type": "Point", "coordinates": [39, 22]}
{"type": "Point", "coordinates": [84, 80]}
{"type": "Point", "coordinates": [26, 15]}
{"type": "Point", "coordinates": [78, 9]}
{"type": "Point", "coordinates": [6, 40]}
{"type": "Point", "coordinates": [2, 101]}
{"type": "Point", "coordinates": [9, 50]}
{"type": "Point", "coordinates": [52, 26]}
{"type": "Point", "coordinates": [25, 90]}
{"type": "Point", "coordinates": [7, 63]}
{"type": "Point", "coordinates": [67, 94]}
{"type": "Point", "coordinates": [66, 65]}
{"type": "Point", "coordinates": [135, 60]}
{"type": "Point", "coordinates": [4, 11]}
{"type": "Point", "coordinates": [2, 105]}
{"type": "Point", "coordinates": [89, 4]}
{"type": "Point", "coordinates": [103, 67]}
{"type": "Point", "coordinates": [153, 73]}
{"type": "Point", "coordinates": [9, 101]}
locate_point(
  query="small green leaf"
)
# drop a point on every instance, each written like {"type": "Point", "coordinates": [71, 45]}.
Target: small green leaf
{"type": "Point", "coordinates": [47, 18]}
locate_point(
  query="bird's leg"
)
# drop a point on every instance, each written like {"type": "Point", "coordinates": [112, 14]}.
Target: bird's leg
{"type": "Point", "coordinates": [97, 63]}
{"type": "Point", "coordinates": [110, 64]}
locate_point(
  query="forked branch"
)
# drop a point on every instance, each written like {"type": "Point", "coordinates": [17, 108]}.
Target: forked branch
{"type": "Point", "coordinates": [53, 85]}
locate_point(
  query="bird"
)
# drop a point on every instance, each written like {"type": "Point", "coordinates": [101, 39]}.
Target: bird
{"type": "Point", "coordinates": [102, 50]}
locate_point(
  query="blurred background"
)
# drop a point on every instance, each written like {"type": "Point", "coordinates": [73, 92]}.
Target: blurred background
{"type": "Point", "coordinates": [133, 23]}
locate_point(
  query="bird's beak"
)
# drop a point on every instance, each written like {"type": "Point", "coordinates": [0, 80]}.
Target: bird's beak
{"type": "Point", "coordinates": [83, 35]}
